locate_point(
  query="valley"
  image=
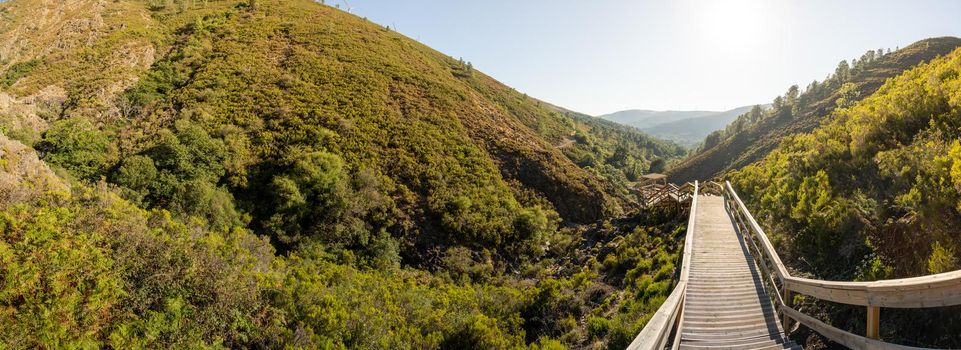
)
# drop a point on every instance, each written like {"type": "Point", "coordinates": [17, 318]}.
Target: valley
{"type": "Point", "coordinates": [686, 128]}
{"type": "Point", "coordinates": [291, 174]}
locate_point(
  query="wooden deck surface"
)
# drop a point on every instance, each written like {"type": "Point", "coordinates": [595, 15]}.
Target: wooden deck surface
{"type": "Point", "coordinates": [726, 306]}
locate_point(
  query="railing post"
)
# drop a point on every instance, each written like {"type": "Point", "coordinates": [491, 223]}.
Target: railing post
{"type": "Point", "coordinates": [874, 321]}
{"type": "Point", "coordinates": [788, 298]}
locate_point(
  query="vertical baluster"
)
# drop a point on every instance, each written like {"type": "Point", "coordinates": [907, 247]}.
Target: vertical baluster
{"type": "Point", "coordinates": [874, 321]}
{"type": "Point", "coordinates": [788, 298]}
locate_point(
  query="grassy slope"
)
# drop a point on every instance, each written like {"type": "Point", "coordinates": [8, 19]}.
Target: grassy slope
{"type": "Point", "coordinates": [873, 193]}
{"type": "Point", "coordinates": [302, 76]}
{"type": "Point", "coordinates": [754, 143]}
{"type": "Point", "coordinates": [457, 163]}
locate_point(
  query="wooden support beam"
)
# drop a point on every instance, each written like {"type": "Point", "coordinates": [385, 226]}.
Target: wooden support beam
{"type": "Point", "coordinates": [788, 298]}
{"type": "Point", "coordinates": [874, 321]}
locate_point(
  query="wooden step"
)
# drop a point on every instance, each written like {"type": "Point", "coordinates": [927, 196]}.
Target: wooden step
{"type": "Point", "coordinates": [733, 300]}
{"type": "Point", "coordinates": [707, 335]}
{"type": "Point", "coordinates": [728, 317]}
{"type": "Point", "coordinates": [765, 326]}
{"type": "Point", "coordinates": [742, 342]}
{"type": "Point", "coordinates": [715, 305]}
{"type": "Point", "coordinates": [714, 290]}
{"type": "Point", "coordinates": [726, 305]}
{"type": "Point", "coordinates": [727, 313]}
{"type": "Point", "coordinates": [771, 345]}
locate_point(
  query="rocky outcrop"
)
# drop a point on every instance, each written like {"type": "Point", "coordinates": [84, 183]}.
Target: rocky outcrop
{"type": "Point", "coordinates": [23, 176]}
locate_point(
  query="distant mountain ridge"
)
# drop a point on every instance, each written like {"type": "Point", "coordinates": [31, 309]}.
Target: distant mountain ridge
{"type": "Point", "coordinates": [644, 118]}
{"type": "Point", "coordinates": [747, 141]}
{"type": "Point", "coordinates": [687, 128]}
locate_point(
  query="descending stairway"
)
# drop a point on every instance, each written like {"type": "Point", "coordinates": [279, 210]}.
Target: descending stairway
{"type": "Point", "coordinates": [720, 301]}
{"type": "Point", "coordinates": [726, 306]}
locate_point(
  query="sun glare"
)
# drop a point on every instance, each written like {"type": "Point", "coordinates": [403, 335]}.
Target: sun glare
{"type": "Point", "coordinates": [731, 25]}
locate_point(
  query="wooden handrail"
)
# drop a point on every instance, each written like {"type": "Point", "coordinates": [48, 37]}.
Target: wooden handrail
{"type": "Point", "coordinates": [842, 337]}
{"type": "Point", "coordinates": [689, 239]}
{"type": "Point", "coordinates": [768, 251]}
{"type": "Point", "coordinates": [942, 289]}
{"type": "Point", "coordinates": [930, 291]}
{"type": "Point", "coordinates": [658, 329]}
{"type": "Point", "coordinates": [655, 193]}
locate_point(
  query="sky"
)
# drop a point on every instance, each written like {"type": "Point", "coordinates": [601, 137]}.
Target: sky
{"type": "Point", "coordinates": [599, 57]}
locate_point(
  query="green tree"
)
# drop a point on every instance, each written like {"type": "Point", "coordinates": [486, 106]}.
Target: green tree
{"type": "Point", "coordinates": [942, 259]}
{"type": "Point", "coordinates": [137, 174]}
{"type": "Point", "coordinates": [842, 72]}
{"type": "Point", "coordinates": [658, 165]}
{"type": "Point", "coordinates": [78, 146]}
{"type": "Point", "coordinates": [181, 172]}
{"type": "Point", "coordinates": [316, 198]}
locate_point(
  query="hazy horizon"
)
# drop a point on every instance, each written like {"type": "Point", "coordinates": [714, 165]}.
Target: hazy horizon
{"type": "Point", "coordinates": [677, 55]}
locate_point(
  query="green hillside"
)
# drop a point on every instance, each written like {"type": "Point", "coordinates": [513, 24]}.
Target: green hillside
{"type": "Point", "coordinates": [439, 153]}
{"type": "Point", "coordinates": [279, 173]}
{"type": "Point", "coordinates": [753, 135]}
{"type": "Point", "coordinates": [874, 193]}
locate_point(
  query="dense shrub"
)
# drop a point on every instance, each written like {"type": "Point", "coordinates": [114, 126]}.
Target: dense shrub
{"type": "Point", "coordinates": [412, 201]}
{"type": "Point", "coordinates": [17, 71]}
{"type": "Point", "coordinates": [871, 194]}
{"type": "Point", "coordinates": [77, 146]}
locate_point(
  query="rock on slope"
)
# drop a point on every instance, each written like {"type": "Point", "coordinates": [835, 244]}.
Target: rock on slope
{"type": "Point", "coordinates": [23, 176]}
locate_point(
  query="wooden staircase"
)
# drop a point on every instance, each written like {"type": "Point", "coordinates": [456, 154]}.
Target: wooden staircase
{"type": "Point", "coordinates": [733, 291]}
{"type": "Point", "coordinates": [726, 306]}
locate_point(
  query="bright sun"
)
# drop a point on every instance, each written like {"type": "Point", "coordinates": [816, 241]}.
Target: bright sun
{"type": "Point", "coordinates": [732, 25]}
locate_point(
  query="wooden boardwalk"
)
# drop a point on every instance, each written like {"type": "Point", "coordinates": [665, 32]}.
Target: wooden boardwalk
{"type": "Point", "coordinates": [726, 305]}
{"type": "Point", "coordinates": [720, 301]}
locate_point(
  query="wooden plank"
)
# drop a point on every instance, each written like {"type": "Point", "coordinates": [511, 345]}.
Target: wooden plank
{"type": "Point", "coordinates": [874, 320]}
{"type": "Point", "coordinates": [656, 332]}
{"type": "Point", "coordinates": [769, 251]}
{"type": "Point", "coordinates": [850, 340]}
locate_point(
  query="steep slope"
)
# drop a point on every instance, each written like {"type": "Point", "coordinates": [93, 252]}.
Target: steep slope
{"type": "Point", "coordinates": [619, 152]}
{"type": "Point", "coordinates": [751, 137]}
{"type": "Point", "coordinates": [873, 193]}
{"type": "Point", "coordinates": [447, 155]}
{"type": "Point", "coordinates": [281, 174]}
{"type": "Point", "coordinates": [23, 176]}
{"type": "Point", "coordinates": [691, 131]}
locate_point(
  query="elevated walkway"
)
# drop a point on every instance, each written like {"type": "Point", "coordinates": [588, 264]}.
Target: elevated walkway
{"type": "Point", "coordinates": [735, 293]}
{"type": "Point", "coordinates": [726, 305]}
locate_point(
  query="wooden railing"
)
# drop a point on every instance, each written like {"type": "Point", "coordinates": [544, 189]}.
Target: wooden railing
{"type": "Point", "coordinates": [655, 194]}
{"type": "Point", "coordinates": [667, 319]}
{"type": "Point", "coordinates": [919, 292]}
{"type": "Point", "coordinates": [712, 188]}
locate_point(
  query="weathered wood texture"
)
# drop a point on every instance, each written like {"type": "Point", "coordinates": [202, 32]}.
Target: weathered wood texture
{"type": "Point", "coordinates": [726, 304]}
{"type": "Point", "coordinates": [733, 285]}
{"type": "Point", "coordinates": [657, 332]}
{"type": "Point", "coordinates": [657, 194]}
